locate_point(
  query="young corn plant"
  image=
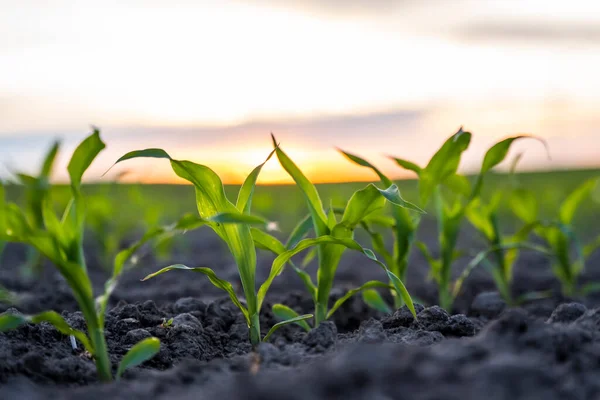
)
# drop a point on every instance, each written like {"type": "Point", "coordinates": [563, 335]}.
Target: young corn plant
{"type": "Point", "coordinates": [231, 222]}
{"type": "Point", "coordinates": [61, 241]}
{"type": "Point", "coordinates": [6, 296]}
{"type": "Point", "coordinates": [450, 213]}
{"type": "Point", "coordinates": [332, 239]}
{"type": "Point", "coordinates": [403, 224]}
{"type": "Point", "coordinates": [502, 249]}
{"type": "Point", "coordinates": [559, 235]}
{"type": "Point", "coordinates": [37, 192]}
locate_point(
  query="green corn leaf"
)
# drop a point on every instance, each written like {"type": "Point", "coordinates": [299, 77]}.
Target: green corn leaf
{"type": "Point", "coordinates": [279, 262]}
{"type": "Point", "coordinates": [571, 204]}
{"type": "Point", "coordinates": [83, 156]}
{"type": "Point", "coordinates": [396, 282]}
{"type": "Point", "coordinates": [378, 244]}
{"type": "Point", "coordinates": [373, 299]}
{"type": "Point", "coordinates": [458, 184]}
{"type": "Point", "coordinates": [27, 180]}
{"type": "Point", "coordinates": [362, 203]}
{"type": "Point", "coordinates": [352, 292]}
{"type": "Point", "coordinates": [310, 255]}
{"type": "Point", "coordinates": [331, 220]}
{"type": "Point", "coordinates": [495, 155]}
{"type": "Point", "coordinates": [513, 165]}
{"type": "Point", "coordinates": [159, 234]}
{"type": "Point", "coordinates": [307, 280]}
{"type": "Point", "coordinates": [12, 321]}
{"type": "Point", "coordinates": [80, 161]}
{"type": "Point", "coordinates": [285, 313]}
{"type": "Point", "coordinates": [443, 164]}
{"type": "Point", "coordinates": [482, 256]}
{"type": "Point", "coordinates": [188, 222]}
{"type": "Point", "coordinates": [265, 241]}
{"type": "Point", "coordinates": [214, 279]}
{"type": "Point", "coordinates": [237, 218]}
{"type": "Point", "coordinates": [362, 162]}
{"type": "Point", "coordinates": [138, 354]}
{"type": "Point", "coordinates": [308, 189]}
{"type": "Point", "coordinates": [407, 165]}
{"type": "Point", "coordinates": [146, 153]}
{"type": "Point", "coordinates": [211, 200]}
{"type": "Point", "coordinates": [244, 201]}
{"type": "Point", "coordinates": [401, 221]}
{"type": "Point", "coordinates": [53, 225]}
{"type": "Point", "coordinates": [521, 236]}
{"type": "Point", "coordinates": [282, 323]}
{"type": "Point", "coordinates": [283, 258]}
{"type": "Point", "coordinates": [17, 229]}
{"type": "Point", "coordinates": [49, 160]}
{"type": "Point", "coordinates": [380, 220]}
{"type": "Point", "coordinates": [480, 217]}
{"type": "Point", "coordinates": [300, 231]}
{"type": "Point", "coordinates": [524, 204]}
{"type": "Point", "coordinates": [392, 194]}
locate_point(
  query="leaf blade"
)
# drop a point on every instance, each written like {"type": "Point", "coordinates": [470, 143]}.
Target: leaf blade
{"type": "Point", "coordinates": [283, 312]}
{"type": "Point", "coordinates": [212, 277]}
{"type": "Point", "coordinates": [142, 351]}
{"type": "Point", "coordinates": [282, 323]}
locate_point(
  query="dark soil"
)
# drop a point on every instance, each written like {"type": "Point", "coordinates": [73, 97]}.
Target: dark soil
{"type": "Point", "coordinates": [546, 349]}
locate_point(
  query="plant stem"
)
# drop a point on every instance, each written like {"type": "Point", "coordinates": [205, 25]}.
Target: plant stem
{"type": "Point", "coordinates": [445, 297]}
{"type": "Point", "coordinates": [254, 329]}
{"type": "Point", "coordinates": [320, 313]}
{"type": "Point", "coordinates": [95, 331]}
{"type": "Point", "coordinates": [103, 365]}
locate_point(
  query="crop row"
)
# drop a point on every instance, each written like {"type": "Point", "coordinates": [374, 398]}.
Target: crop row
{"type": "Point", "coordinates": [325, 233]}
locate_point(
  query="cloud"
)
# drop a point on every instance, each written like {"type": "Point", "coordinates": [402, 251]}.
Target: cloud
{"type": "Point", "coordinates": [341, 7]}
{"type": "Point", "coordinates": [329, 130]}
{"type": "Point", "coordinates": [528, 32]}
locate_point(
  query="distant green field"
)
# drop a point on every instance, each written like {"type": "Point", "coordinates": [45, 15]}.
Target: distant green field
{"type": "Point", "coordinates": [285, 204]}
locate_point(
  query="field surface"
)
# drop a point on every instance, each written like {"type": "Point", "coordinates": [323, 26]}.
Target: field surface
{"type": "Point", "coordinates": [547, 348]}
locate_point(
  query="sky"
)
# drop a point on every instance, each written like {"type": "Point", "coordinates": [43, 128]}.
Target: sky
{"type": "Point", "coordinates": [210, 80]}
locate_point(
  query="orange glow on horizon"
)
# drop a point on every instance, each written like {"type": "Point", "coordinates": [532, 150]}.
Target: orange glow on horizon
{"type": "Point", "coordinates": [320, 166]}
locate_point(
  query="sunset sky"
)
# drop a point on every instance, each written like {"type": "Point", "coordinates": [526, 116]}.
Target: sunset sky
{"type": "Point", "coordinates": [209, 80]}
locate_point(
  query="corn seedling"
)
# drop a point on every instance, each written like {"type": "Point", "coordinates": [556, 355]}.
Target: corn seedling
{"type": "Point", "coordinates": [37, 192]}
{"type": "Point", "coordinates": [503, 250]}
{"type": "Point", "coordinates": [559, 235]}
{"type": "Point", "coordinates": [61, 241]}
{"type": "Point", "coordinates": [441, 170]}
{"type": "Point", "coordinates": [403, 225]}
{"type": "Point", "coordinates": [231, 222]}
{"type": "Point", "coordinates": [332, 238]}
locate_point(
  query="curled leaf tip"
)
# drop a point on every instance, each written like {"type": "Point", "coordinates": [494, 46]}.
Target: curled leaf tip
{"type": "Point", "coordinates": [107, 171]}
